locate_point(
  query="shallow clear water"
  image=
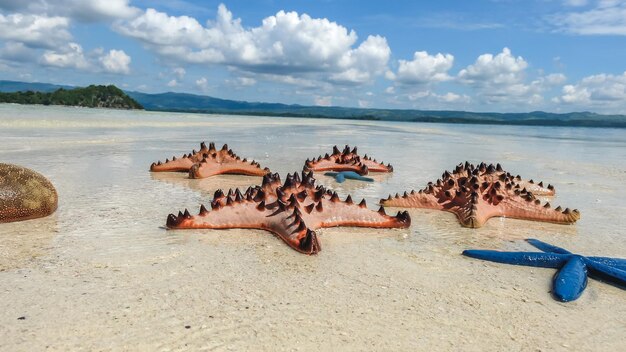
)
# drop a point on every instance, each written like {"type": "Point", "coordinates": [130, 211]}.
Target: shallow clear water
{"type": "Point", "coordinates": [102, 272]}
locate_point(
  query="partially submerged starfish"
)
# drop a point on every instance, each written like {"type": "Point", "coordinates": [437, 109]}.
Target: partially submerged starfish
{"type": "Point", "coordinates": [209, 161]}
{"type": "Point", "coordinates": [571, 279]}
{"type": "Point", "coordinates": [350, 175]}
{"type": "Point", "coordinates": [348, 160]}
{"type": "Point", "coordinates": [477, 193]}
{"type": "Point", "coordinates": [292, 211]}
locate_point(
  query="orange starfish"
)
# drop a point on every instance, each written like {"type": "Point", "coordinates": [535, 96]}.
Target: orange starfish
{"type": "Point", "coordinates": [346, 161]}
{"type": "Point", "coordinates": [477, 193]}
{"type": "Point", "coordinates": [209, 162]}
{"type": "Point", "coordinates": [292, 211]}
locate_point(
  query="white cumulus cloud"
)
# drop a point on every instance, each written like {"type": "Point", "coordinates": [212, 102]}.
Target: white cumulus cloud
{"type": "Point", "coordinates": [501, 79]}
{"type": "Point", "coordinates": [555, 79]}
{"type": "Point", "coordinates": [202, 83]}
{"type": "Point", "coordinates": [284, 44]}
{"type": "Point", "coordinates": [423, 69]}
{"type": "Point", "coordinates": [116, 61]}
{"type": "Point", "coordinates": [99, 10]}
{"type": "Point", "coordinates": [179, 72]}
{"type": "Point", "coordinates": [35, 30]}
{"type": "Point", "coordinates": [500, 69]}
{"type": "Point", "coordinates": [17, 52]}
{"type": "Point", "coordinates": [72, 56]}
{"type": "Point", "coordinates": [604, 92]}
{"type": "Point", "coordinates": [606, 17]}
{"type": "Point", "coordinates": [82, 10]}
{"type": "Point", "coordinates": [241, 82]}
{"type": "Point", "coordinates": [452, 98]}
{"type": "Point", "coordinates": [43, 26]}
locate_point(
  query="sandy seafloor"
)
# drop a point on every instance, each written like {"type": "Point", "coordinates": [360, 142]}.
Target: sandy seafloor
{"type": "Point", "coordinates": [102, 273]}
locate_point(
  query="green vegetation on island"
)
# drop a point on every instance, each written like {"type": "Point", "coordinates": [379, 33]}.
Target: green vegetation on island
{"type": "Point", "coordinates": [91, 97]}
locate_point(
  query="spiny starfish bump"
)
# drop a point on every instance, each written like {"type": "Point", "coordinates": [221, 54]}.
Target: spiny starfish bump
{"type": "Point", "coordinates": [209, 161]}
{"type": "Point", "coordinates": [346, 160]}
{"type": "Point", "coordinates": [477, 193]}
{"type": "Point", "coordinates": [292, 211]}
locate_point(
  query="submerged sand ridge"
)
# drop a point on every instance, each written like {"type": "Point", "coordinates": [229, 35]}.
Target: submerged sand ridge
{"type": "Point", "coordinates": [112, 278]}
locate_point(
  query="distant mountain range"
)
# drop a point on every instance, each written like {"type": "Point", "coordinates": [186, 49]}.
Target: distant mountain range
{"type": "Point", "coordinates": [183, 102]}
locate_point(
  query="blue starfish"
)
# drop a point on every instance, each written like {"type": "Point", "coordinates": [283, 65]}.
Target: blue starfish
{"type": "Point", "coordinates": [571, 279]}
{"type": "Point", "coordinates": [343, 175]}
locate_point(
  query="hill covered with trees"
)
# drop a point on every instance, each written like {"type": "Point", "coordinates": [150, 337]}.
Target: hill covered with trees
{"type": "Point", "coordinates": [91, 97]}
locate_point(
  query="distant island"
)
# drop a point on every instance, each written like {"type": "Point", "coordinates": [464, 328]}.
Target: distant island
{"type": "Point", "coordinates": [183, 102]}
{"type": "Point", "coordinates": [91, 97]}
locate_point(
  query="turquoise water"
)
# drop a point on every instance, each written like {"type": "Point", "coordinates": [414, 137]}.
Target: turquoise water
{"type": "Point", "coordinates": [108, 236]}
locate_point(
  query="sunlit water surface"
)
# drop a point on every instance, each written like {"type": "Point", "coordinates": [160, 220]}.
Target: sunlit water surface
{"type": "Point", "coordinates": [104, 273]}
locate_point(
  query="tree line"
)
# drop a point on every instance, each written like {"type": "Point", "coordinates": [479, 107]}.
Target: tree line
{"type": "Point", "coordinates": [93, 96]}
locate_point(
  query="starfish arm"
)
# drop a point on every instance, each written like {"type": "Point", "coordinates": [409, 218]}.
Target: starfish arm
{"type": "Point", "coordinates": [185, 162]}
{"type": "Point", "coordinates": [530, 209]}
{"type": "Point", "coordinates": [340, 177]}
{"type": "Point", "coordinates": [617, 263]}
{"type": "Point", "coordinates": [536, 259]}
{"type": "Point", "coordinates": [373, 166]}
{"type": "Point", "coordinates": [337, 213]}
{"type": "Point", "coordinates": [177, 164]}
{"type": "Point", "coordinates": [209, 161]}
{"type": "Point", "coordinates": [474, 215]}
{"type": "Point", "coordinates": [245, 214]}
{"type": "Point", "coordinates": [471, 211]}
{"type": "Point", "coordinates": [414, 199]}
{"type": "Point", "coordinates": [546, 247]}
{"type": "Point", "coordinates": [537, 189]}
{"type": "Point", "coordinates": [570, 282]}
{"type": "Point", "coordinates": [606, 273]}
{"type": "Point", "coordinates": [331, 165]}
{"type": "Point", "coordinates": [209, 168]}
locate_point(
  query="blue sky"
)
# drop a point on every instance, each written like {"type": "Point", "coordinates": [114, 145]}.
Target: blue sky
{"type": "Point", "coordinates": [498, 55]}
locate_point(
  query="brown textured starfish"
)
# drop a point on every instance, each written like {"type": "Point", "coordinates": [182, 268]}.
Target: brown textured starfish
{"type": "Point", "coordinates": [346, 161]}
{"type": "Point", "coordinates": [209, 162]}
{"type": "Point", "coordinates": [292, 211]}
{"type": "Point", "coordinates": [477, 193]}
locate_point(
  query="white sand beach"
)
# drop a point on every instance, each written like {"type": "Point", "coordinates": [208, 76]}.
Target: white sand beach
{"type": "Point", "coordinates": [103, 273]}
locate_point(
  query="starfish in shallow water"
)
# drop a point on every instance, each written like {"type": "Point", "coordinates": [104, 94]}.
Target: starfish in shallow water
{"type": "Point", "coordinates": [350, 175]}
{"type": "Point", "coordinates": [209, 161]}
{"type": "Point", "coordinates": [571, 279]}
{"type": "Point", "coordinates": [477, 193]}
{"type": "Point", "coordinates": [292, 211]}
{"type": "Point", "coordinates": [346, 160]}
